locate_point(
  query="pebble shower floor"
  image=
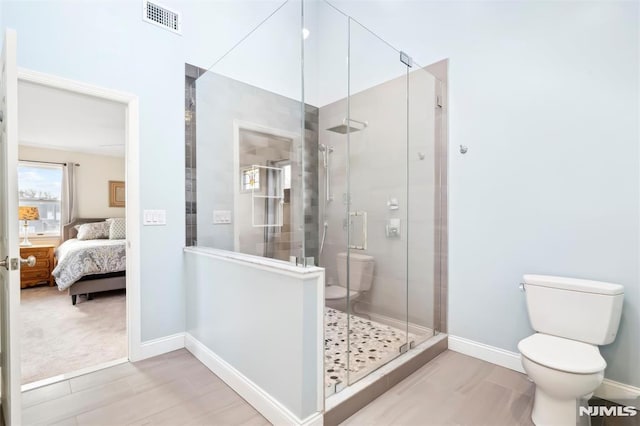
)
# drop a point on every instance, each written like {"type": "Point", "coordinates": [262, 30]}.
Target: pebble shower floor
{"type": "Point", "coordinates": [372, 345]}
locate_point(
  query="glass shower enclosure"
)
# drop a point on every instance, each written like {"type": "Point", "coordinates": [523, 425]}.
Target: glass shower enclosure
{"type": "Point", "coordinates": [317, 143]}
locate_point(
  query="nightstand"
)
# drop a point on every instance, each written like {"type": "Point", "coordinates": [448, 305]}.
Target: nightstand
{"type": "Point", "coordinates": [41, 272]}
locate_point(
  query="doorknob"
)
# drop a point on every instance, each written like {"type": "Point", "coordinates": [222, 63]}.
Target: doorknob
{"type": "Point", "coordinates": [29, 261]}
{"type": "Point", "coordinates": [13, 263]}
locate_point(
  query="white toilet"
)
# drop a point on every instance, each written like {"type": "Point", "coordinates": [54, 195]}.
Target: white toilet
{"type": "Point", "coordinates": [571, 317]}
{"type": "Point", "coordinates": [361, 277]}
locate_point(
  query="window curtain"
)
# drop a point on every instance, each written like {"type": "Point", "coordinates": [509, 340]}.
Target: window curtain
{"type": "Point", "coordinates": [69, 193]}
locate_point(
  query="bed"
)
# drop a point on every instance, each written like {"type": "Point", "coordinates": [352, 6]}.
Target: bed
{"type": "Point", "coordinates": [91, 266]}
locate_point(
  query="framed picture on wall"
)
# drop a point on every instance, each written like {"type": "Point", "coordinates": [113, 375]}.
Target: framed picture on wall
{"type": "Point", "coordinates": [116, 193]}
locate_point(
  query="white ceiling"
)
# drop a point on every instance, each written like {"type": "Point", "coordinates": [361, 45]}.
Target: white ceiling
{"type": "Point", "coordinates": [59, 119]}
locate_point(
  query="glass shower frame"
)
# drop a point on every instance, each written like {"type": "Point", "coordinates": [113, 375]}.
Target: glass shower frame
{"type": "Point", "coordinates": [377, 181]}
{"type": "Point", "coordinates": [383, 220]}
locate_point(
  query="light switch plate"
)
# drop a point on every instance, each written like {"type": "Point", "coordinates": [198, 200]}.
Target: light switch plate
{"type": "Point", "coordinates": [221, 217]}
{"type": "Point", "coordinates": [154, 217]}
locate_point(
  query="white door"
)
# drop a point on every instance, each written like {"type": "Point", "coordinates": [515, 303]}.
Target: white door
{"type": "Point", "coordinates": [9, 248]}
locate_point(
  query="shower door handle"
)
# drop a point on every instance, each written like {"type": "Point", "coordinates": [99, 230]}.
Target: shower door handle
{"type": "Point", "coordinates": [362, 216]}
{"type": "Point", "coordinates": [327, 173]}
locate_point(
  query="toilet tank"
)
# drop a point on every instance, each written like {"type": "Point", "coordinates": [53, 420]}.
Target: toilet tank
{"type": "Point", "coordinates": [583, 310]}
{"type": "Point", "coordinates": [360, 271]}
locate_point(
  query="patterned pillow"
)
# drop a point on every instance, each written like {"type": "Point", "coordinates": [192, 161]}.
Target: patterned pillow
{"type": "Point", "coordinates": [117, 229]}
{"type": "Point", "coordinates": [93, 231]}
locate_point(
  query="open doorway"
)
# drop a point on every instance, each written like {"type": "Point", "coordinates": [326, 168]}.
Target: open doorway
{"type": "Point", "coordinates": [71, 184]}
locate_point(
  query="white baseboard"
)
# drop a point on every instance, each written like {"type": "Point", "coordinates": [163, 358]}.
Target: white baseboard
{"type": "Point", "coordinates": [501, 357]}
{"type": "Point", "coordinates": [271, 409]}
{"type": "Point", "coordinates": [619, 393]}
{"type": "Point", "coordinates": [610, 390]}
{"type": "Point", "coordinates": [159, 346]}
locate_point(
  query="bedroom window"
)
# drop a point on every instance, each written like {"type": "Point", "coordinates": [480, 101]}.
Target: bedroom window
{"type": "Point", "coordinates": [40, 185]}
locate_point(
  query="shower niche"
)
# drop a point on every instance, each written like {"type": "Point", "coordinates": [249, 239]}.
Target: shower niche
{"type": "Point", "coordinates": [325, 146]}
{"type": "Point", "coordinates": [262, 208]}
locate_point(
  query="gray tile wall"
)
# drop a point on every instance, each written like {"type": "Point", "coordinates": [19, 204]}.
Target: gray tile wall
{"type": "Point", "coordinates": [311, 188]}
{"type": "Point", "coordinates": [191, 75]}
{"type": "Point", "coordinates": [224, 101]}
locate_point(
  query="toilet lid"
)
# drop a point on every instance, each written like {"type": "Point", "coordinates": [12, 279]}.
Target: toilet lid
{"type": "Point", "coordinates": [562, 354]}
{"type": "Point", "coordinates": [337, 292]}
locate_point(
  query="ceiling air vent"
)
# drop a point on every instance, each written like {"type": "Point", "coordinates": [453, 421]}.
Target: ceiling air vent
{"type": "Point", "coordinates": [161, 16]}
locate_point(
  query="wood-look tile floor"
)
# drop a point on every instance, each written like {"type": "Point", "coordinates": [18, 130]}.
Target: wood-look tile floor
{"type": "Point", "coordinates": [172, 389]}
{"type": "Point", "coordinates": [453, 389]}
{"type": "Point", "coordinates": [176, 389]}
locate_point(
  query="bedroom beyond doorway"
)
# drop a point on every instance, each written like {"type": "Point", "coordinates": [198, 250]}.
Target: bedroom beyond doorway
{"type": "Point", "coordinates": [71, 179]}
{"type": "Point", "coordinates": [98, 332]}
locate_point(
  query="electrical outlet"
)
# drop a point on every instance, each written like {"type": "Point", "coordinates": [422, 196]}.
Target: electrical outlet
{"type": "Point", "coordinates": [154, 217]}
{"type": "Point", "coordinates": [221, 217]}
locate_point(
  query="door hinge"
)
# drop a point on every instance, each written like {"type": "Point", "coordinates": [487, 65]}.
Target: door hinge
{"type": "Point", "coordinates": [438, 101]}
{"type": "Point", "coordinates": [406, 59]}
{"type": "Point", "coordinates": [306, 262]}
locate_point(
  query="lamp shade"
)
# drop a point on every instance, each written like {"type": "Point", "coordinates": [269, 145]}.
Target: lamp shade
{"type": "Point", "coordinates": [28, 213]}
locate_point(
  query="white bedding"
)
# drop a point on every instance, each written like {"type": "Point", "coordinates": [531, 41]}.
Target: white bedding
{"type": "Point", "coordinates": [79, 258]}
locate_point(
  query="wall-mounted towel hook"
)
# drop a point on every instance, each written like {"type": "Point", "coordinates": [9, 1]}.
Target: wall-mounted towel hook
{"type": "Point", "coordinates": [463, 149]}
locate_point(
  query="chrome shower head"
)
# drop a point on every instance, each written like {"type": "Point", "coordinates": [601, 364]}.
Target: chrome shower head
{"type": "Point", "coordinates": [343, 129]}
{"type": "Point", "coordinates": [348, 127]}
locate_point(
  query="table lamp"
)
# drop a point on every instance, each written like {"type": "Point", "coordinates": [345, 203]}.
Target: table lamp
{"type": "Point", "coordinates": [27, 213]}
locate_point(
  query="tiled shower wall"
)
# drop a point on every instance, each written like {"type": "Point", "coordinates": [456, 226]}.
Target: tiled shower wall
{"type": "Point", "coordinates": [311, 188]}
{"type": "Point", "coordinates": [252, 104]}
{"type": "Point", "coordinates": [393, 158]}
{"type": "Point", "coordinates": [191, 75]}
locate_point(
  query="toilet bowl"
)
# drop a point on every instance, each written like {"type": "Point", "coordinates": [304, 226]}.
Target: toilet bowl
{"type": "Point", "coordinates": [571, 317]}
{"type": "Point", "coordinates": [360, 279]}
{"type": "Point", "coordinates": [564, 371]}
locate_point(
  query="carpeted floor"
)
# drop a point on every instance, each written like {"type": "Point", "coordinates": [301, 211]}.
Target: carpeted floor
{"type": "Point", "coordinates": [59, 338]}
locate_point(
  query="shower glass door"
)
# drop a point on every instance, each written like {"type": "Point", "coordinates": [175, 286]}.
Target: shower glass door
{"type": "Point", "coordinates": [376, 204]}
{"type": "Point", "coordinates": [425, 176]}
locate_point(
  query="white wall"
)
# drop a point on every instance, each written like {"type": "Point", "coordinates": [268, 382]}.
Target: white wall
{"type": "Point", "coordinates": [93, 176]}
{"type": "Point", "coordinates": [2, 20]}
{"type": "Point", "coordinates": [268, 58]}
{"type": "Point", "coordinates": [545, 95]}
{"type": "Point", "coordinates": [106, 43]}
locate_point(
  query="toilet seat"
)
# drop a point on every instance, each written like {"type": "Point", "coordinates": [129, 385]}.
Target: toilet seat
{"type": "Point", "coordinates": [337, 292]}
{"type": "Point", "coordinates": [562, 354]}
